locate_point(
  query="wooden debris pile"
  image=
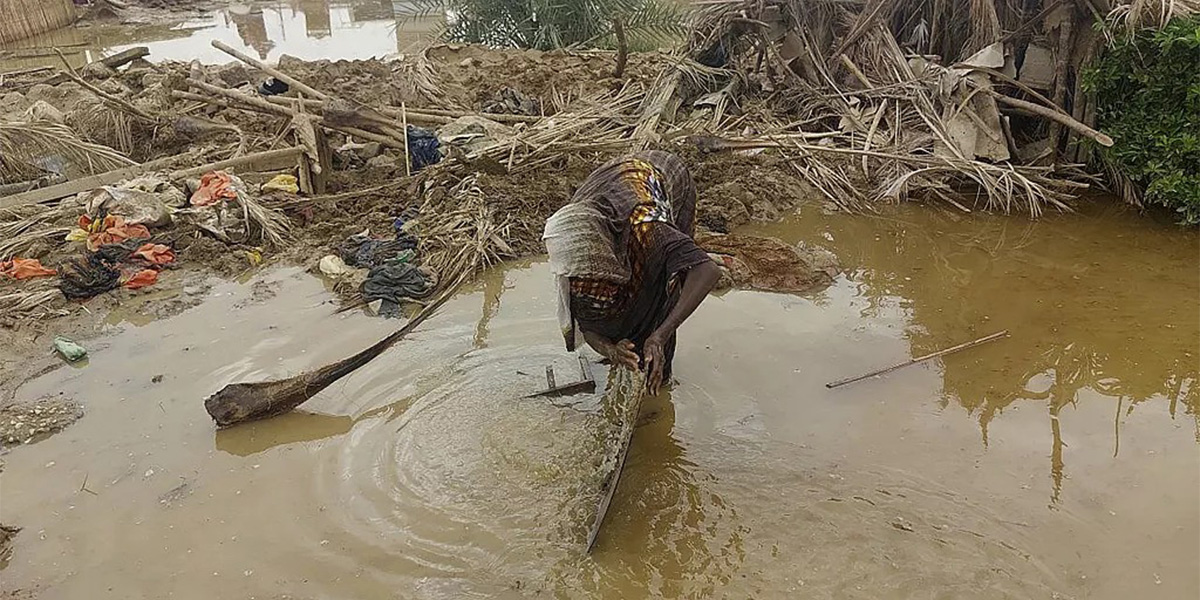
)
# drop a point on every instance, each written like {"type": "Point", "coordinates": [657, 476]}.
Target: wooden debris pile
{"type": "Point", "coordinates": [969, 101]}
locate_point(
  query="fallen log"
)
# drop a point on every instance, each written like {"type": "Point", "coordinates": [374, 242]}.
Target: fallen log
{"type": "Point", "coordinates": [298, 85]}
{"type": "Point", "coordinates": [1058, 117]}
{"type": "Point", "coordinates": [246, 100]}
{"type": "Point", "coordinates": [231, 99]}
{"type": "Point", "coordinates": [241, 402]}
{"type": "Point", "coordinates": [261, 161]}
{"type": "Point", "coordinates": [115, 61]}
{"type": "Point", "coordinates": [434, 116]}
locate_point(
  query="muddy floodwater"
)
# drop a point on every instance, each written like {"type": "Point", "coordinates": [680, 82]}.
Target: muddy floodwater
{"type": "Point", "coordinates": [1061, 462]}
{"type": "Point", "coordinates": [306, 29]}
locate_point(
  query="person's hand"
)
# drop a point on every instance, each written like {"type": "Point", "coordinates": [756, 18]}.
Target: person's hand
{"type": "Point", "coordinates": [654, 353]}
{"type": "Point", "coordinates": [621, 353]}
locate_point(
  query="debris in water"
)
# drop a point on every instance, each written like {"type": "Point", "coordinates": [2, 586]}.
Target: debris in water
{"type": "Point", "coordinates": [22, 422]}
{"type": "Point", "coordinates": [68, 349]}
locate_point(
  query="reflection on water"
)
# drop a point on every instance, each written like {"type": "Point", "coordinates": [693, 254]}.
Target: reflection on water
{"type": "Point", "coordinates": [307, 29]}
{"type": "Point", "coordinates": [1098, 310]}
{"type": "Point", "coordinates": [293, 427]}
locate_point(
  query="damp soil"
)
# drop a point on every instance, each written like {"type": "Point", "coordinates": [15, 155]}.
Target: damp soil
{"type": "Point", "coordinates": [980, 474]}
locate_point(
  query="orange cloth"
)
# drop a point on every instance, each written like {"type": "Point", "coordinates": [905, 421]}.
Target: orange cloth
{"type": "Point", "coordinates": [155, 254]}
{"type": "Point", "coordinates": [112, 230]}
{"type": "Point", "coordinates": [142, 279]}
{"type": "Point", "coordinates": [215, 187]}
{"type": "Point", "coordinates": [25, 268]}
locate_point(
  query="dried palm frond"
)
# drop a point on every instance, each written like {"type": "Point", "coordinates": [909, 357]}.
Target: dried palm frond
{"type": "Point", "coordinates": [35, 143]}
{"type": "Point", "coordinates": [1151, 14]}
{"type": "Point", "coordinates": [36, 297]}
{"type": "Point", "coordinates": [592, 124]}
{"type": "Point", "coordinates": [273, 226]}
{"type": "Point", "coordinates": [416, 82]}
{"type": "Point", "coordinates": [100, 124]}
{"type": "Point", "coordinates": [20, 244]}
{"type": "Point", "coordinates": [463, 232]}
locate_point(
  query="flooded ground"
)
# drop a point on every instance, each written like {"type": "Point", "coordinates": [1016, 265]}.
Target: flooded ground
{"type": "Point", "coordinates": [1058, 463]}
{"type": "Point", "coordinates": [306, 29]}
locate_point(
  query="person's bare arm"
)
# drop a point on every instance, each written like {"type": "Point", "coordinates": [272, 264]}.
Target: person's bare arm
{"type": "Point", "coordinates": [619, 353]}
{"type": "Point", "coordinates": [699, 281]}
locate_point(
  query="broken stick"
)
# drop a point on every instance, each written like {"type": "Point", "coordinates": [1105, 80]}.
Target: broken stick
{"type": "Point", "coordinates": [950, 350]}
{"type": "Point", "coordinates": [299, 86]}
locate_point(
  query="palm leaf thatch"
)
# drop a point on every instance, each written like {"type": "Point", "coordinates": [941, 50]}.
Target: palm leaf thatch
{"type": "Point", "coordinates": [1152, 14]}
{"type": "Point", "coordinates": [22, 228]}
{"type": "Point", "coordinates": [36, 298]}
{"type": "Point", "coordinates": [870, 96]}
{"type": "Point", "coordinates": [464, 233]}
{"type": "Point", "coordinates": [37, 144]}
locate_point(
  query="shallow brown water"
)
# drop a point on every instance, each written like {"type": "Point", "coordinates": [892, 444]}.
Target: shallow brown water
{"type": "Point", "coordinates": [1061, 462]}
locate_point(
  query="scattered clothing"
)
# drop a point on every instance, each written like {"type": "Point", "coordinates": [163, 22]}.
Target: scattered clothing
{"type": "Point", "coordinates": [88, 277]}
{"type": "Point", "coordinates": [25, 268]}
{"type": "Point", "coordinates": [282, 183]}
{"type": "Point", "coordinates": [155, 254]}
{"type": "Point", "coordinates": [394, 283]}
{"type": "Point", "coordinates": [362, 250]}
{"type": "Point", "coordinates": [112, 229]}
{"type": "Point", "coordinates": [215, 187]}
{"type": "Point", "coordinates": [100, 271]}
{"type": "Point", "coordinates": [422, 148]}
{"type": "Point", "coordinates": [332, 265]}
{"type": "Point", "coordinates": [272, 87]}
{"type": "Point", "coordinates": [69, 350]}
{"type": "Point", "coordinates": [143, 278]}
{"type": "Point", "coordinates": [116, 254]}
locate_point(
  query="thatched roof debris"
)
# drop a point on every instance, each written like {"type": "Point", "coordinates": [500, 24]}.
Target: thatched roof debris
{"type": "Point", "coordinates": [953, 99]}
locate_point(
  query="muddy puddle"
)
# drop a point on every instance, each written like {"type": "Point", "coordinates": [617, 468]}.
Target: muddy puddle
{"type": "Point", "coordinates": [1059, 463]}
{"type": "Point", "coordinates": [306, 29]}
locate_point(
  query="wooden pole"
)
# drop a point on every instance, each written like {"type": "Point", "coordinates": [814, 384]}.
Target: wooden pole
{"type": "Point", "coordinates": [300, 86]}
{"type": "Point", "coordinates": [919, 359]}
{"type": "Point", "coordinates": [261, 160]}
{"type": "Point", "coordinates": [436, 116]}
{"type": "Point", "coordinates": [257, 103]}
{"type": "Point", "coordinates": [622, 48]}
{"type": "Point", "coordinates": [407, 156]}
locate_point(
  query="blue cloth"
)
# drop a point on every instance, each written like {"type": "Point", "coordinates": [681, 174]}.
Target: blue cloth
{"type": "Point", "coordinates": [422, 148]}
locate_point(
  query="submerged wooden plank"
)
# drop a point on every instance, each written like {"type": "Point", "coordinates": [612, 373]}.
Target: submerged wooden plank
{"type": "Point", "coordinates": [624, 397]}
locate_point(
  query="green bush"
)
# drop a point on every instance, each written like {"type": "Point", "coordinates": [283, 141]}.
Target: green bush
{"type": "Point", "coordinates": [1147, 91]}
